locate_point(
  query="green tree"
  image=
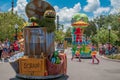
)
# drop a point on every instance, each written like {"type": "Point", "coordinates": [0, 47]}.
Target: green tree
{"type": "Point", "coordinates": [102, 36]}
{"type": "Point", "coordinates": [7, 23]}
{"type": "Point", "coordinates": [59, 35]}
{"type": "Point", "coordinates": [104, 21]}
{"type": "Point", "coordinates": [91, 29]}
{"type": "Point", "coordinates": [68, 32]}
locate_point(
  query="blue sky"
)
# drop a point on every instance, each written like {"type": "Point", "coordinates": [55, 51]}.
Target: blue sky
{"type": "Point", "coordinates": [67, 8]}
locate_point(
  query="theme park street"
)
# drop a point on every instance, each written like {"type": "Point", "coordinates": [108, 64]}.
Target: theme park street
{"type": "Point", "coordinates": [84, 70]}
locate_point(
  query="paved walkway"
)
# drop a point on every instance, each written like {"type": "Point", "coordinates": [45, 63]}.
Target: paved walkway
{"type": "Point", "coordinates": [106, 70]}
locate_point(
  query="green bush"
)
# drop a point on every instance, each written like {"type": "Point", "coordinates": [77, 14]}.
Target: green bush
{"type": "Point", "coordinates": [114, 56]}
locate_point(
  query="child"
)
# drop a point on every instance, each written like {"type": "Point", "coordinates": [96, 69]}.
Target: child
{"type": "Point", "coordinates": [93, 54]}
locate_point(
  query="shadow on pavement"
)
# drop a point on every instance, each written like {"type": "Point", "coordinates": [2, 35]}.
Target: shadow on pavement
{"type": "Point", "coordinates": [65, 77]}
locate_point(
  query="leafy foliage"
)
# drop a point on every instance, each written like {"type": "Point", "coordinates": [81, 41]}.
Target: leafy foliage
{"type": "Point", "coordinates": [68, 32]}
{"type": "Point", "coordinates": [102, 36]}
{"type": "Point", "coordinates": [47, 21]}
{"type": "Point", "coordinates": [7, 23]}
{"type": "Point", "coordinates": [101, 29]}
{"type": "Point", "coordinates": [59, 35]}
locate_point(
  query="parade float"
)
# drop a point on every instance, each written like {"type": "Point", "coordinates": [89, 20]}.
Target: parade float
{"type": "Point", "coordinates": [80, 43]}
{"type": "Point", "coordinates": [40, 60]}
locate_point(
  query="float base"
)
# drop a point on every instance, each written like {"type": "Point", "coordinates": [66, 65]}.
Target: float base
{"type": "Point", "coordinates": [38, 77]}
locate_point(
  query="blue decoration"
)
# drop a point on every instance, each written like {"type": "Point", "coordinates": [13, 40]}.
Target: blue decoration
{"type": "Point", "coordinates": [53, 60]}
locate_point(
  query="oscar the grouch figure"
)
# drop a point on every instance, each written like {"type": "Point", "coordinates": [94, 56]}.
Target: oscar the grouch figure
{"type": "Point", "coordinates": [48, 21]}
{"type": "Point", "coordinates": [49, 18]}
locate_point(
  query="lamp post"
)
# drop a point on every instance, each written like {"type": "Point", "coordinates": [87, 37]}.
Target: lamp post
{"type": "Point", "coordinates": [12, 5]}
{"type": "Point", "coordinates": [97, 27]}
{"type": "Point", "coordinates": [57, 22]}
{"type": "Point", "coordinates": [16, 28]}
{"type": "Point", "coordinates": [109, 28]}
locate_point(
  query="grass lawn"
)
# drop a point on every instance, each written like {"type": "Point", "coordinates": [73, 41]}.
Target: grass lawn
{"type": "Point", "coordinates": [114, 56]}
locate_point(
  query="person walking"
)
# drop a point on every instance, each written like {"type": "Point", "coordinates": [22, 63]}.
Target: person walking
{"type": "Point", "coordinates": [1, 49]}
{"type": "Point", "coordinates": [93, 54]}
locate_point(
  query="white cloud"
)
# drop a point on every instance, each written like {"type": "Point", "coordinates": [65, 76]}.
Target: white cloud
{"type": "Point", "coordinates": [101, 10]}
{"type": "Point", "coordinates": [92, 5]}
{"type": "Point", "coordinates": [21, 5]}
{"type": "Point", "coordinates": [65, 14]}
{"type": "Point", "coordinates": [56, 8]}
{"type": "Point", "coordinates": [115, 3]}
{"type": "Point", "coordinates": [115, 6]}
{"type": "Point", "coordinates": [67, 25]}
{"type": "Point", "coordinates": [20, 8]}
{"type": "Point", "coordinates": [114, 11]}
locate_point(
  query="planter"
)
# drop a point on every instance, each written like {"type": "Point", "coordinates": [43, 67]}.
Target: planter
{"type": "Point", "coordinates": [54, 69]}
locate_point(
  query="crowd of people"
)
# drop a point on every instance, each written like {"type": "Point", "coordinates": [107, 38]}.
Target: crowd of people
{"type": "Point", "coordinates": [107, 49]}
{"type": "Point", "coordinates": [8, 48]}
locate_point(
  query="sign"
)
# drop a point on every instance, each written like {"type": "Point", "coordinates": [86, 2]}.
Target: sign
{"type": "Point", "coordinates": [32, 67]}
